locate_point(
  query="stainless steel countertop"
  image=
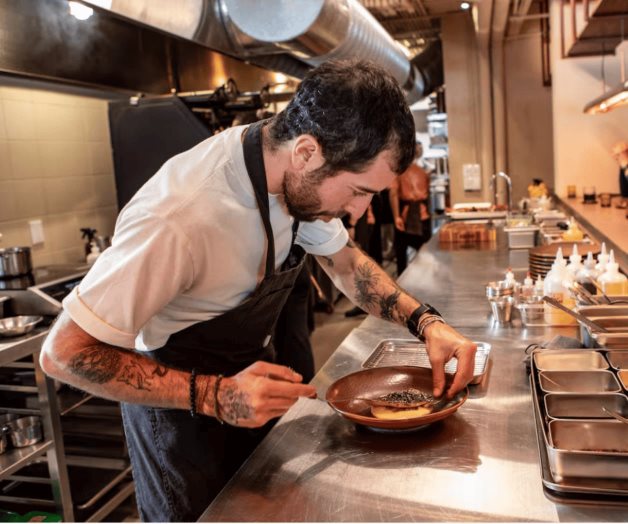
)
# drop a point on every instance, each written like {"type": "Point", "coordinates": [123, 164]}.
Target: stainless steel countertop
{"type": "Point", "coordinates": [480, 464]}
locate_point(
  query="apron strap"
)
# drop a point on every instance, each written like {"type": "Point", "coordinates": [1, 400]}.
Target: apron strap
{"type": "Point", "coordinates": [254, 161]}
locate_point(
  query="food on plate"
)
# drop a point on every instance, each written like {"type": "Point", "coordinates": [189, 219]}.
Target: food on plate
{"type": "Point", "coordinates": [409, 403]}
{"type": "Point", "coordinates": [385, 413]}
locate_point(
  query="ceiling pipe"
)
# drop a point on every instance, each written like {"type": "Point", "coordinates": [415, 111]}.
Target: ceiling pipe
{"type": "Point", "coordinates": [319, 30]}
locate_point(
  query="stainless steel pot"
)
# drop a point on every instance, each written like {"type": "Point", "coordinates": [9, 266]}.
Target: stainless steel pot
{"type": "Point", "coordinates": [15, 261]}
{"type": "Point", "coordinates": [25, 431]}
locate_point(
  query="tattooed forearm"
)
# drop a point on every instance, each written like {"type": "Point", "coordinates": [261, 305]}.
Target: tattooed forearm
{"type": "Point", "coordinates": [387, 305]}
{"type": "Point", "coordinates": [233, 405]}
{"type": "Point", "coordinates": [96, 364]}
{"type": "Point", "coordinates": [371, 292]}
{"type": "Point", "coordinates": [101, 365]}
{"type": "Point", "coordinates": [365, 281]}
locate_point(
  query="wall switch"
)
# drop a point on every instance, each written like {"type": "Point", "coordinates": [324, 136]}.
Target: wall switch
{"type": "Point", "coordinates": [37, 232]}
{"type": "Point", "coordinates": [471, 177]}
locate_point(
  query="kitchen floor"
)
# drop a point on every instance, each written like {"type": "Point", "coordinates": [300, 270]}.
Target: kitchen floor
{"type": "Point", "coordinates": [331, 329]}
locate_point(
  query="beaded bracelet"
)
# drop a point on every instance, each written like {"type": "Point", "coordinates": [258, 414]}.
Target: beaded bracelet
{"type": "Point", "coordinates": [216, 406]}
{"type": "Point", "coordinates": [428, 321]}
{"type": "Point", "coordinates": [193, 393]}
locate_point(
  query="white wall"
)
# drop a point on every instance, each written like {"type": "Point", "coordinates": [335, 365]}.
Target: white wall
{"type": "Point", "coordinates": [582, 142]}
{"type": "Point", "coordinates": [55, 165]}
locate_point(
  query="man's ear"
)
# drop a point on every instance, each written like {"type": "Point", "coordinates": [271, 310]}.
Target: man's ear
{"type": "Point", "coordinates": [306, 153]}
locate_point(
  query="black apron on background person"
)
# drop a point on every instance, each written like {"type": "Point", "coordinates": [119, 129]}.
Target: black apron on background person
{"type": "Point", "coordinates": [180, 463]}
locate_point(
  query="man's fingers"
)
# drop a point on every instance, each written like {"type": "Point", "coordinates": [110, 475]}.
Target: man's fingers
{"type": "Point", "coordinates": [464, 371]}
{"type": "Point", "coordinates": [283, 389]}
{"type": "Point", "coordinates": [438, 378]}
{"type": "Point", "coordinates": [275, 371]}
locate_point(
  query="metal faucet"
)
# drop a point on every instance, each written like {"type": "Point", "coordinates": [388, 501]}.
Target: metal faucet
{"type": "Point", "coordinates": [508, 183]}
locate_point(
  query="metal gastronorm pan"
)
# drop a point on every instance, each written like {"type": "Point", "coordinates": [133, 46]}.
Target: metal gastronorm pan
{"type": "Point", "coordinates": [578, 382]}
{"type": "Point", "coordinates": [588, 448]}
{"type": "Point", "coordinates": [580, 405]}
{"type": "Point", "coordinates": [576, 360]}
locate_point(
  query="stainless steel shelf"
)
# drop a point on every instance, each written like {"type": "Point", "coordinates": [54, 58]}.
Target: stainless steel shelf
{"type": "Point", "coordinates": [19, 389]}
{"type": "Point", "coordinates": [14, 459]}
{"type": "Point", "coordinates": [70, 399]}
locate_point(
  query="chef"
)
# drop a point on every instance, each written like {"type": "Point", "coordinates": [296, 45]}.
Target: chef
{"type": "Point", "coordinates": [175, 319]}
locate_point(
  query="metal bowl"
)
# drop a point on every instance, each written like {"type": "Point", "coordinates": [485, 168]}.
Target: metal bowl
{"type": "Point", "coordinates": [16, 326]}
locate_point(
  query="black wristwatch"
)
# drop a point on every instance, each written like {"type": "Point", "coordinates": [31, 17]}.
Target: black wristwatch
{"type": "Point", "coordinates": [413, 321]}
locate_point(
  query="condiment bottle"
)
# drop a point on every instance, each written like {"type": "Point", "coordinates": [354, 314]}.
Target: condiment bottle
{"type": "Point", "coordinates": [612, 281]}
{"type": "Point", "coordinates": [587, 274]}
{"type": "Point", "coordinates": [575, 262]}
{"type": "Point", "coordinates": [527, 289]}
{"type": "Point", "coordinates": [554, 287]}
{"type": "Point", "coordinates": [602, 260]}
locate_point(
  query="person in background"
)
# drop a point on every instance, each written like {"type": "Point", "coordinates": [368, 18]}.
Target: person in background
{"type": "Point", "coordinates": [409, 197]}
{"type": "Point", "coordinates": [620, 153]}
{"type": "Point", "coordinates": [176, 319]}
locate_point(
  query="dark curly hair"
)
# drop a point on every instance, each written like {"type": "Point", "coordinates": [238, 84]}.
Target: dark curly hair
{"type": "Point", "coordinates": [355, 109]}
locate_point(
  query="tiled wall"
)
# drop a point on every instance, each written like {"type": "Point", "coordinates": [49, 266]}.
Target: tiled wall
{"type": "Point", "coordinates": [55, 165]}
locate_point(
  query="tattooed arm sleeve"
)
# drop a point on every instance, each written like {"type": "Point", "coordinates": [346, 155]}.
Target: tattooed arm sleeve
{"type": "Point", "coordinates": [367, 284]}
{"type": "Point", "coordinates": [73, 356]}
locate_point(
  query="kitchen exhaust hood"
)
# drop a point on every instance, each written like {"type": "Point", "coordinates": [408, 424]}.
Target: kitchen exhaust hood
{"type": "Point", "coordinates": [279, 32]}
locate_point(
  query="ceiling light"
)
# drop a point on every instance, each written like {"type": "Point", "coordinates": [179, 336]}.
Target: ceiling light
{"type": "Point", "coordinates": [80, 11]}
{"type": "Point", "coordinates": [610, 100]}
{"type": "Point", "coordinates": [465, 5]}
{"type": "Point", "coordinates": [616, 97]}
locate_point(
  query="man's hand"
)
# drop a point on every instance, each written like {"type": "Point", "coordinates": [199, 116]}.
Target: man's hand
{"type": "Point", "coordinates": [399, 224]}
{"type": "Point", "coordinates": [255, 395]}
{"type": "Point", "coordinates": [444, 343]}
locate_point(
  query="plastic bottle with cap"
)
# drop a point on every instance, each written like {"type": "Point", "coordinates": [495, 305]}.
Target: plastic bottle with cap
{"type": "Point", "coordinates": [587, 273]}
{"type": "Point", "coordinates": [612, 281]}
{"type": "Point", "coordinates": [93, 255]}
{"type": "Point", "coordinates": [527, 289]}
{"type": "Point", "coordinates": [602, 260]}
{"type": "Point", "coordinates": [554, 286]}
{"type": "Point", "coordinates": [575, 262]}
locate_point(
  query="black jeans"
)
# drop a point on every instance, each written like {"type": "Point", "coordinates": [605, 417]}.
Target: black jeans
{"type": "Point", "coordinates": [403, 240]}
{"type": "Point", "coordinates": [180, 463]}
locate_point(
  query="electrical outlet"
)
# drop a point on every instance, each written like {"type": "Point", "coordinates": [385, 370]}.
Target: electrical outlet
{"type": "Point", "coordinates": [471, 177]}
{"type": "Point", "coordinates": [37, 232]}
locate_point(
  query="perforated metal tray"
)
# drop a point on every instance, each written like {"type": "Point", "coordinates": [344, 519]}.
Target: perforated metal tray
{"type": "Point", "coordinates": [402, 352]}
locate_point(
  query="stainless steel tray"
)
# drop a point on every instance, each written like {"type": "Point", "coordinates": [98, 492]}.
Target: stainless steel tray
{"type": "Point", "coordinates": [569, 489]}
{"type": "Point", "coordinates": [611, 340]}
{"type": "Point", "coordinates": [579, 405]}
{"type": "Point", "coordinates": [411, 352]}
{"type": "Point", "coordinates": [576, 360]}
{"type": "Point", "coordinates": [604, 311]}
{"type": "Point", "coordinates": [586, 491]}
{"type": "Point", "coordinates": [588, 448]}
{"type": "Point", "coordinates": [618, 359]}
{"type": "Point", "coordinates": [578, 382]}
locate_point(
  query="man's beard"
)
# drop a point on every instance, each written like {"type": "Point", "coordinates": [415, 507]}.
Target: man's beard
{"type": "Point", "coordinates": [300, 194]}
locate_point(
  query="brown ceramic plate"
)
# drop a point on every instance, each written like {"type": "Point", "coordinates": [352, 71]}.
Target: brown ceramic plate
{"type": "Point", "coordinates": [347, 395]}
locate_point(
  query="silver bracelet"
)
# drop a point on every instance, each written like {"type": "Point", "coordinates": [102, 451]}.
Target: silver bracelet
{"type": "Point", "coordinates": [430, 320]}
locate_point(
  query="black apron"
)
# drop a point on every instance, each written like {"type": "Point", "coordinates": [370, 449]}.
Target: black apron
{"type": "Point", "coordinates": [180, 463]}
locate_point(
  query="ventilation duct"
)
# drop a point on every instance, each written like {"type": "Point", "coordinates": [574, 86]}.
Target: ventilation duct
{"type": "Point", "coordinates": [290, 35]}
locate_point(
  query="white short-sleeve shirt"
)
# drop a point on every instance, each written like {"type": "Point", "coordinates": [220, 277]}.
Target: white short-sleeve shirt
{"type": "Point", "coordinates": [189, 246]}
